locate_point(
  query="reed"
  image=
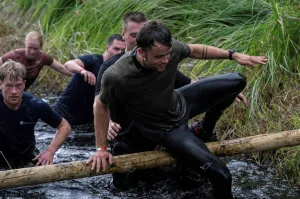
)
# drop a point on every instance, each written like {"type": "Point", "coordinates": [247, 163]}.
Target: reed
{"type": "Point", "coordinates": [256, 27]}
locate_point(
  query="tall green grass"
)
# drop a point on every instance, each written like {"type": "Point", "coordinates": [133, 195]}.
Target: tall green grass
{"type": "Point", "coordinates": [256, 27]}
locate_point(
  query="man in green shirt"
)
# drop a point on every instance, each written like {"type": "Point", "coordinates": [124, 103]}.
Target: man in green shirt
{"type": "Point", "coordinates": [142, 81]}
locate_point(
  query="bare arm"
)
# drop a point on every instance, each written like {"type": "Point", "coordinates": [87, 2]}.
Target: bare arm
{"type": "Point", "coordinates": [77, 66]}
{"type": "Point", "coordinates": [74, 66]}
{"type": "Point", "coordinates": [101, 121]}
{"type": "Point", "coordinates": [113, 128]}
{"type": "Point", "coordinates": [62, 133]}
{"type": "Point", "coordinates": [60, 68]}
{"type": "Point", "coordinates": [199, 51]}
{"type": "Point", "coordinates": [94, 104]}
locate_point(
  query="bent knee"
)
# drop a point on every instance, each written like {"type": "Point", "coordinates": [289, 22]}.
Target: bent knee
{"type": "Point", "coordinates": [239, 80]}
{"type": "Point", "coordinates": [242, 80]}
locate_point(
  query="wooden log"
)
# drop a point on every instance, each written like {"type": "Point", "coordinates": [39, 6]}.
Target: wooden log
{"type": "Point", "coordinates": [151, 159]}
{"type": "Point", "coordinates": [73, 170]}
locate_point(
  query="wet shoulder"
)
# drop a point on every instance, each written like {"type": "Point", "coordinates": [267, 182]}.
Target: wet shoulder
{"type": "Point", "coordinates": [120, 66]}
{"type": "Point", "coordinates": [113, 59]}
{"type": "Point", "coordinates": [180, 50]}
{"type": "Point", "coordinates": [91, 59]}
{"type": "Point", "coordinates": [108, 63]}
{"type": "Point", "coordinates": [15, 55]}
{"type": "Point", "coordinates": [116, 71]}
{"type": "Point", "coordinates": [45, 59]}
{"type": "Point", "coordinates": [18, 54]}
{"type": "Point", "coordinates": [124, 64]}
{"type": "Point", "coordinates": [92, 62]}
{"type": "Point", "coordinates": [33, 101]}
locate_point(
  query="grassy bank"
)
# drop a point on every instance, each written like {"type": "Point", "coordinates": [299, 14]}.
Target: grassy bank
{"type": "Point", "coordinates": [257, 27]}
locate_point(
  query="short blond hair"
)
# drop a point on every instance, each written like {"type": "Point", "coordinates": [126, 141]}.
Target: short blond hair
{"type": "Point", "coordinates": [33, 35]}
{"type": "Point", "coordinates": [13, 70]}
{"type": "Point", "coordinates": [137, 17]}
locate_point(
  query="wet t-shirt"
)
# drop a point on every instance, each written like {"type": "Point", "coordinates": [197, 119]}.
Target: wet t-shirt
{"type": "Point", "coordinates": [117, 111]}
{"type": "Point", "coordinates": [148, 96]}
{"type": "Point", "coordinates": [17, 126]}
{"type": "Point", "coordinates": [181, 79]}
{"type": "Point", "coordinates": [109, 62]}
{"type": "Point", "coordinates": [75, 104]}
{"type": "Point", "coordinates": [33, 68]}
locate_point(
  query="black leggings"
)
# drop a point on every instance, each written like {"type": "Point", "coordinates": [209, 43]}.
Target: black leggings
{"type": "Point", "coordinates": [211, 95]}
{"type": "Point", "coordinates": [131, 142]}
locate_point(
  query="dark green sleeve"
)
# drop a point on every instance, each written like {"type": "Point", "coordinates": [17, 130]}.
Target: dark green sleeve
{"type": "Point", "coordinates": [182, 50]}
{"type": "Point", "coordinates": [107, 92]}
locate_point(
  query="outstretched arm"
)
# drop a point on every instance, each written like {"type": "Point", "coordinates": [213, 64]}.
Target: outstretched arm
{"type": "Point", "coordinates": [77, 66]}
{"type": "Point", "coordinates": [60, 68]}
{"type": "Point", "coordinates": [62, 133]}
{"type": "Point", "coordinates": [101, 121]}
{"type": "Point", "coordinates": [200, 51]}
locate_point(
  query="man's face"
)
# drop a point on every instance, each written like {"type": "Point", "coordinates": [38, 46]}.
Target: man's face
{"type": "Point", "coordinates": [115, 48]}
{"type": "Point", "coordinates": [32, 49]}
{"type": "Point", "coordinates": [157, 57]}
{"type": "Point", "coordinates": [129, 35]}
{"type": "Point", "coordinates": [12, 91]}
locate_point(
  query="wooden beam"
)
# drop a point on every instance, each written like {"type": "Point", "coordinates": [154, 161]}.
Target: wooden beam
{"type": "Point", "coordinates": [151, 159]}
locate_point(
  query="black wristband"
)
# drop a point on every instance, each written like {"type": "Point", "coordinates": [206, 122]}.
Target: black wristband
{"type": "Point", "coordinates": [230, 52]}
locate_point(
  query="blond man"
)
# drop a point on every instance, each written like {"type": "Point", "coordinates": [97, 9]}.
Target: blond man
{"type": "Point", "coordinates": [20, 111]}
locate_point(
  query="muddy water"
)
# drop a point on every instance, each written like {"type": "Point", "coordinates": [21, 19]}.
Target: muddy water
{"type": "Point", "coordinates": [249, 180]}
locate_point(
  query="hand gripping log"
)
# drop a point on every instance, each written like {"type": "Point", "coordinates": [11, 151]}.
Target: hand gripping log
{"type": "Point", "coordinates": [151, 159]}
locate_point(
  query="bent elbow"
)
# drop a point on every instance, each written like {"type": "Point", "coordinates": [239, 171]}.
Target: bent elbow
{"type": "Point", "coordinates": [67, 65]}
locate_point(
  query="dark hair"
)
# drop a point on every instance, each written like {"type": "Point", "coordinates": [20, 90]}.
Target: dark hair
{"type": "Point", "coordinates": [154, 31]}
{"type": "Point", "coordinates": [113, 37]}
{"type": "Point", "coordinates": [137, 17]}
